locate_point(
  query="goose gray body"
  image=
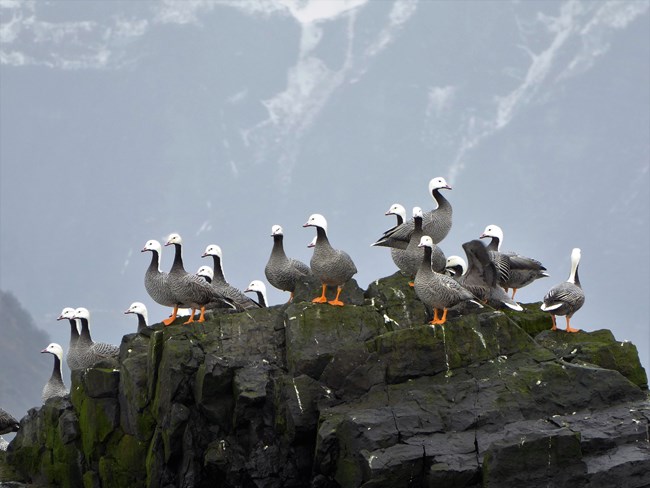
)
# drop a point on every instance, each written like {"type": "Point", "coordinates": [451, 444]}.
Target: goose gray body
{"type": "Point", "coordinates": [7, 422]}
{"type": "Point", "coordinates": [436, 223]}
{"type": "Point", "coordinates": [73, 355]}
{"type": "Point", "coordinates": [91, 352]}
{"type": "Point", "coordinates": [436, 290]}
{"type": "Point", "coordinates": [333, 267]}
{"type": "Point", "coordinates": [156, 281]}
{"type": "Point", "coordinates": [567, 297]}
{"type": "Point", "coordinates": [481, 277]}
{"type": "Point", "coordinates": [54, 386]}
{"type": "Point", "coordinates": [281, 271]}
{"type": "Point", "coordinates": [514, 270]}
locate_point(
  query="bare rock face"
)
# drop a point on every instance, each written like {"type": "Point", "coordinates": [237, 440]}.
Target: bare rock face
{"type": "Point", "coordinates": [367, 395]}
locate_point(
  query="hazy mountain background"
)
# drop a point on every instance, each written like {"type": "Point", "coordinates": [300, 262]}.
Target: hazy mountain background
{"type": "Point", "coordinates": [126, 121]}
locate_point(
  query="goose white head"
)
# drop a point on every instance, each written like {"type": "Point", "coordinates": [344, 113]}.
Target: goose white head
{"type": "Point", "coordinates": [316, 220]}
{"type": "Point", "coordinates": [212, 250]}
{"type": "Point", "coordinates": [152, 245]}
{"type": "Point", "coordinates": [55, 349]}
{"type": "Point", "coordinates": [493, 231]}
{"type": "Point", "coordinates": [174, 239]}
{"type": "Point", "coordinates": [66, 313]}
{"type": "Point", "coordinates": [417, 212]}
{"type": "Point", "coordinates": [81, 313]}
{"type": "Point", "coordinates": [397, 209]}
{"type": "Point", "coordinates": [453, 261]}
{"type": "Point", "coordinates": [575, 255]}
{"type": "Point", "coordinates": [137, 307]}
{"type": "Point", "coordinates": [256, 285]}
{"type": "Point", "coordinates": [426, 241]}
{"type": "Point", "coordinates": [206, 271]}
{"type": "Point", "coordinates": [438, 184]}
{"type": "Point", "coordinates": [276, 230]}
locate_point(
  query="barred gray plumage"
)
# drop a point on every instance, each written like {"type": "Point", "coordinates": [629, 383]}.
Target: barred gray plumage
{"type": "Point", "coordinates": [332, 267]}
{"type": "Point", "coordinates": [281, 271]}
{"type": "Point", "coordinates": [7, 422]}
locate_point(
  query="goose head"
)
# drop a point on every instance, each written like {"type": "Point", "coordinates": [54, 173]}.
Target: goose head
{"type": "Point", "coordinates": [153, 246]}
{"type": "Point", "coordinates": [397, 209]}
{"type": "Point", "coordinates": [438, 183]}
{"type": "Point", "coordinates": [316, 220]}
{"type": "Point", "coordinates": [55, 349]}
{"type": "Point", "coordinates": [276, 230]}
{"type": "Point", "coordinates": [212, 250]}
{"type": "Point", "coordinates": [81, 313]}
{"type": "Point", "coordinates": [138, 308]}
{"type": "Point", "coordinates": [417, 212]}
{"type": "Point", "coordinates": [207, 272]}
{"type": "Point", "coordinates": [456, 261]}
{"type": "Point", "coordinates": [426, 241]}
{"type": "Point", "coordinates": [174, 239]}
{"type": "Point", "coordinates": [493, 231]}
{"type": "Point", "coordinates": [66, 313]}
{"type": "Point", "coordinates": [256, 285]}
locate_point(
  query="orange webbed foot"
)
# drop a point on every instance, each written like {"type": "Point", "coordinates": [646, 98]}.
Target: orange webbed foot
{"type": "Point", "coordinates": [337, 303]}
{"type": "Point", "coordinates": [319, 300]}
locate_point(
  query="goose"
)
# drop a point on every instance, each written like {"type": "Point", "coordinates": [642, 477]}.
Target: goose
{"type": "Point", "coordinates": [567, 297]}
{"type": "Point", "coordinates": [7, 422]}
{"type": "Point", "coordinates": [435, 223]}
{"type": "Point", "coordinates": [234, 296]}
{"type": "Point", "coordinates": [331, 266]}
{"type": "Point", "coordinates": [140, 310]}
{"type": "Point", "coordinates": [205, 272]}
{"type": "Point", "coordinates": [259, 288]}
{"type": "Point", "coordinates": [515, 270]}
{"type": "Point", "coordinates": [89, 351]}
{"type": "Point", "coordinates": [435, 290]}
{"type": "Point", "coordinates": [73, 355]}
{"type": "Point", "coordinates": [156, 281]}
{"type": "Point", "coordinates": [190, 289]}
{"type": "Point", "coordinates": [280, 271]}
{"type": "Point", "coordinates": [481, 277]}
{"type": "Point", "coordinates": [54, 386]}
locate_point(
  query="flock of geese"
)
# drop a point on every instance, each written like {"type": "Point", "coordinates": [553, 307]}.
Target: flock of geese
{"type": "Point", "coordinates": [440, 282]}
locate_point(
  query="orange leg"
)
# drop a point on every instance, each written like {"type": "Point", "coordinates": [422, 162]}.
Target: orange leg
{"type": "Point", "coordinates": [290, 298]}
{"type": "Point", "coordinates": [435, 317]}
{"type": "Point", "coordinates": [202, 318]}
{"type": "Point", "coordinates": [173, 316]}
{"type": "Point", "coordinates": [514, 290]}
{"type": "Point", "coordinates": [322, 298]}
{"type": "Point", "coordinates": [554, 324]}
{"type": "Point", "coordinates": [191, 319]}
{"type": "Point", "coordinates": [443, 319]}
{"type": "Point", "coordinates": [568, 327]}
{"type": "Point", "coordinates": [336, 301]}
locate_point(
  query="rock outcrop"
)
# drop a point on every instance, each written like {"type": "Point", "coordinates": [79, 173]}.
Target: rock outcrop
{"type": "Point", "coordinates": [365, 395]}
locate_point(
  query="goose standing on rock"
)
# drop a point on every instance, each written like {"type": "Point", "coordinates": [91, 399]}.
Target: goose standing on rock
{"type": "Point", "coordinates": [54, 386]}
{"type": "Point", "coordinates": [188, 288]}
{"type": "Point", "coordinates": [259, 288]}
{"type": "Point", "coordinates": [280, 271]}
{"type": "Point", "coordinates": [435, 290]}
{"type": "Point", "coordinates": [156, 281]}
{"type": "Point", "coordinates": [140, 310]}
{"type": "Point", "coordinates": [567, 297]}
{"type": "Point", "coordinates": [72, 357]}
{"type": "Point", "coordinates": [435, 223]}
{"type": "Point", "coordinates": [7, 422]}
{"type": "Point", "coordinates": [515, 270]}
{"type": "Point", "coordinates": [233, 295]}
{"type": "Point", "coordinates": [89, 351]}
{"type": "Point", "coordinates": [331, 266]}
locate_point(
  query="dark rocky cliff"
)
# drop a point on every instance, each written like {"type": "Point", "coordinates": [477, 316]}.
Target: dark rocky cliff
{"type": "Point", "coordinates": [365, 395]}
